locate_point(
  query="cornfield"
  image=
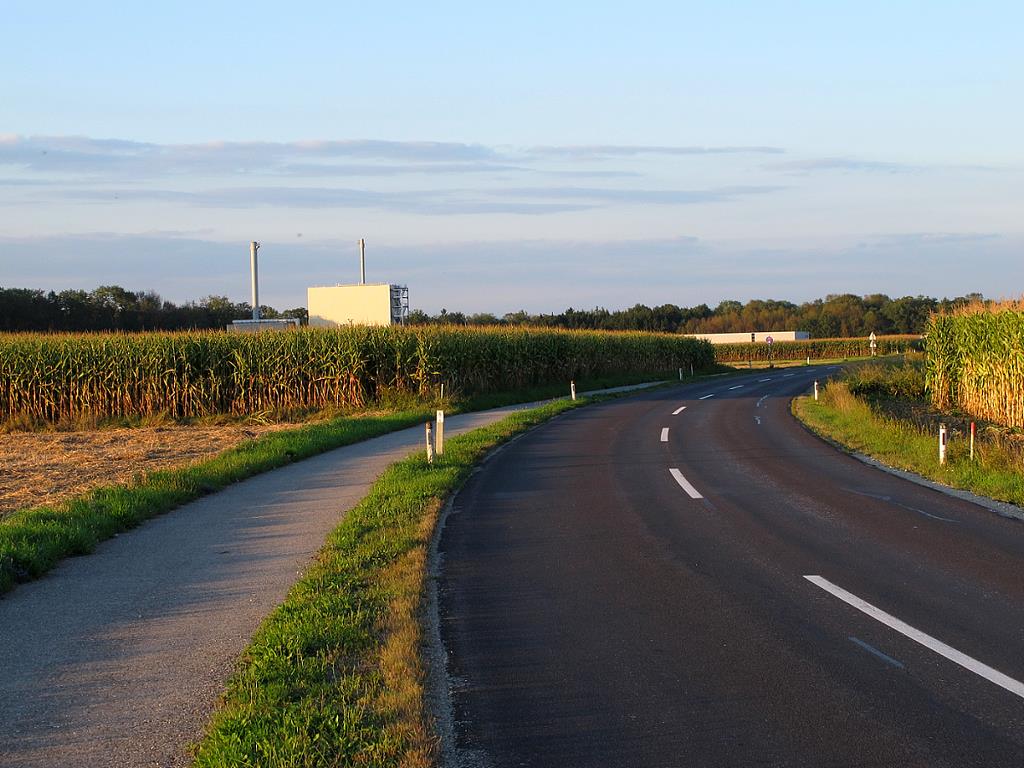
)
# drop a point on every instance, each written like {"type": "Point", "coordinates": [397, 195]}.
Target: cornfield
{"type": "Point", "coordinates": [975, 361]}
{"type": "Point", "coordinates": [66, 377]}
{"type": "Point", "coordinates": [816, 349]}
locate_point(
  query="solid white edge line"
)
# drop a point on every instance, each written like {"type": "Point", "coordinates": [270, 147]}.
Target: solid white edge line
{"type": "Point", "coordinates": [664, 434]}
{"type": "Point", "coordinates": [706, 396]}
{"type": "Point", "coordinates": [685, 484]}
{"type": "Point", "coordinates": [679, 410]}
{"type": "Point", "coordinates": [957, 657]}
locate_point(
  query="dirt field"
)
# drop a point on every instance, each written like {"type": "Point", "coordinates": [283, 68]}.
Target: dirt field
{"type": "Point", "coordinates": [46, 467]}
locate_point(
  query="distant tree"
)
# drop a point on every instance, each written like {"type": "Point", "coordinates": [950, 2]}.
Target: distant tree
{"type": "Point", "coordinates": [418, 317]}
{"type": "Point", "coordinates": [298, 312]}
{"type": "Point", "coordinates": [910, 314]}
{"type": "Point", "coordinates": [517, 318]}
{"type": "Point", "coordinates": [111, 307]}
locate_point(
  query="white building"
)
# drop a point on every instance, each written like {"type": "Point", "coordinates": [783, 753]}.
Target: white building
{"type": "Point", "coordinates": [331, 306]}
{"type": "Point", "coordinates": [753, 336]}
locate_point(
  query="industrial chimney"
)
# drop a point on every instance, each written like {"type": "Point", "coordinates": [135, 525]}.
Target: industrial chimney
{"type": "Point", "coordinates": [362, 261]}
{"type": "Point", "coordinates": [253, 247]}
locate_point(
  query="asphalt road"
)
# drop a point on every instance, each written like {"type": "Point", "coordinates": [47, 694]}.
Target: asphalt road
{"type": "Point", "coordinates": [729, 592]}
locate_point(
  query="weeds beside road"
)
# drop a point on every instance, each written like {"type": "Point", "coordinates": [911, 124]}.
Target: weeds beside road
{"type": "Point", "coordinates": [880, 410]}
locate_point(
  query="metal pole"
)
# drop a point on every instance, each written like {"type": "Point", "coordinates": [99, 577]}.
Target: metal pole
{"type": "Point", "coordinates": [253, 247]}
{"type": "Point", "coordinates": [362, 261]}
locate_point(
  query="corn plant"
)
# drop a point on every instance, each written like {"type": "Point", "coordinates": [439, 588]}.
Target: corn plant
{"type": "Point", "coordinates": [975, 361]}
{"type": "Point", "coordinates": [59, 377]}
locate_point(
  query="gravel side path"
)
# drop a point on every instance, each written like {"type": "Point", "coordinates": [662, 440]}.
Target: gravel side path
{"type": "Point", "coordinates": [117, 659]}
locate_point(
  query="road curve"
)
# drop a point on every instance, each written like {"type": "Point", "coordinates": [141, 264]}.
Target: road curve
{"type": "Point", "coordinates": [689, 578]}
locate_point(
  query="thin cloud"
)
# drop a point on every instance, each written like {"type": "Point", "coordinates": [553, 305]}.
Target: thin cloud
{"type": "Point", "coordinates": [636, 196]}
{"type": "Point", "coordinates": [599, 151]}
{"type": "Point", "coordinates": [526, 200]}
{"type": "Point", "coordinates": [70, 158]}
{"type": "Point", "coordinates": [313, 170]}
{"type": "Point", "coordinates": [926, 239]}
{"type": "Point", "coordinates": [71, 155]}
{"type": "Point", "coordinates": [845, 164]}
{"type": "Point", "coordinates": [431, 203]}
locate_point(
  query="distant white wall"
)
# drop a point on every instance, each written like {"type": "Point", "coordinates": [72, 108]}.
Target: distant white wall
{"type": "Point", "coordinates": [334, 305]}
{"type": "Point", "coordinates": [739, 338]}
{"type": "Point", "coordinates": [252, 326]}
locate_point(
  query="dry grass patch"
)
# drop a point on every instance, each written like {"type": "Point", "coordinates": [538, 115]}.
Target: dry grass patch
{"type": "Point", "coordinates": [45, 468]}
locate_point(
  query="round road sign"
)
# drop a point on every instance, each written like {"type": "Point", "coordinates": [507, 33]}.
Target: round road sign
{"type": "Point", "coordinates": [769, 340]}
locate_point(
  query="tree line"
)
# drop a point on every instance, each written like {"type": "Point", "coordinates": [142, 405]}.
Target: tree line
{"type": "Point", "coordinates": [837, 315]}
{"type": "Point", "coordinates": [112, 307]}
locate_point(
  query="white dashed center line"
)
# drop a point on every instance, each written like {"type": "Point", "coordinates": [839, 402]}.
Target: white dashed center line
{"type": "Point", "coordinates": [738, 386]}
{"type": "Point", "coordinates": [957, 657]}
{"type": "Point", "coordinates": [679, 410]}
{"type": "Point", "coordinates": [664, 434]}
{"type": "Point", "coordinates": [685, 484]}
{"type": "Point", "coordinates": [706, 396]}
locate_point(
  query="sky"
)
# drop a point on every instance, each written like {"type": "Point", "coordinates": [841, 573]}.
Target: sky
{"type": "Point", "coordinates": [498, 157]}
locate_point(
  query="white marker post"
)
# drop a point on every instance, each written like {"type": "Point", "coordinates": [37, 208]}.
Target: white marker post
{"type": "Point", "coordinates": [815, 390]}
{"type": "Point", "coordinates": [972, 441]}
{"type": "Point", "coordinates": [942, 443]}
{"type": "Point", "coordinates": [691, 370]}
{"type": "Point", "coordinates": [680, 374]}
{"type": "Point", "coordinates": [874, 344]}
{"type": "Point", "coordinates": [572, 389]}
{"type": "Point", "coordinates": [430, 445]}
{"type": "Point", "coordinates": [440, 433]}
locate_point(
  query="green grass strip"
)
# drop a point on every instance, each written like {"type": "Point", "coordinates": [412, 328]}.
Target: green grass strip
{"type": "Point", "coordinates": [333, 676]}
{"type": "Point", "coordinates": [33, 540]}
{"type": "Point", "coordinates": [848, 420]}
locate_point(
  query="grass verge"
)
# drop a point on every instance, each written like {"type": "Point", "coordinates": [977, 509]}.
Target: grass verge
{"type": "Point", "coordinates": [846, 419]}
{"type": "Point", "coordinates": [333, 676]}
